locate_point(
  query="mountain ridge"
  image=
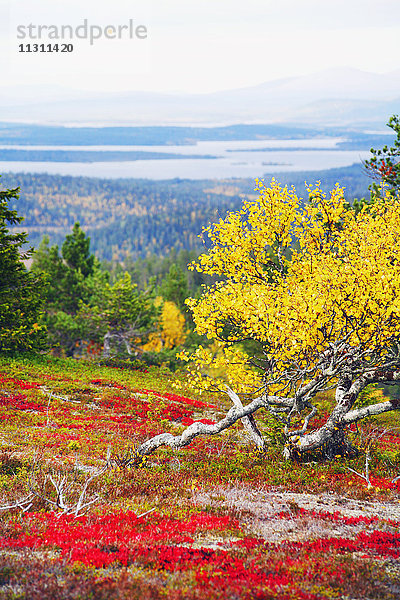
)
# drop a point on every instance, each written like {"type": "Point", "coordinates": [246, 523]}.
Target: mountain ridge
{"type": "Point", "coordinates": [286, 99]}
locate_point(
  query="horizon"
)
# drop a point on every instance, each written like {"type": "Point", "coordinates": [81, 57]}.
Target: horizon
{"type": "Point", "coordinates": [333, 69]}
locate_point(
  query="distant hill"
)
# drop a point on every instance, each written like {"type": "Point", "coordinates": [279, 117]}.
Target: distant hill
{"type": "Point", "coordinates": [48, 135]}
{"type": "Point", "coordinates": [339, 96]}
{"type": "Point", "coordinates": [23, 134]}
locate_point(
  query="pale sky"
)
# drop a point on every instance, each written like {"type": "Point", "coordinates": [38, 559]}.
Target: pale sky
{"type": "Point", "coordinates": [200, 45]}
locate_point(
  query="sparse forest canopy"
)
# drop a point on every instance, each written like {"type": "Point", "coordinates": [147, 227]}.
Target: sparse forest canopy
{"type": "Point", "coordinates": [133, 218]}
{"type": "Point", "coordinates": [295, 319]}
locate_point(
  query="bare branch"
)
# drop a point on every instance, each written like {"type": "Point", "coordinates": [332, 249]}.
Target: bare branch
{"type": "Point", "coordinates": [197, 429]}
{"type": "Point", "coordinates": [369, 411]}
{"type": "Point", "coordinates": [248, 422]}
{"type": "Point", "coordinates": [364, 475]}
{"type": "Point", "coordinates": [24, 504]}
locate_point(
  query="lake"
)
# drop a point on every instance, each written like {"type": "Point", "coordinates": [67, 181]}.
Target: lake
{"type": "Point", "coordinates": [241, 159]}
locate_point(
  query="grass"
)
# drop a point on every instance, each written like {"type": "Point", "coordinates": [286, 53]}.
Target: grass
{"type": "Point", "coordinates": [215, 520]}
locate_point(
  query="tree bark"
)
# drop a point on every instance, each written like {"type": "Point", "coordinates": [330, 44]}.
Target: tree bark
{"type": "Point", "coordinates": [107, 345]}
{"type": "Point", "coordinates": [197, 429]}
{"type": "Point", "coordinates": [331, 437]}
{"type": "Point", "coordinates": [248, 422]}
{"type": "Point", "coordinates": [122, 339]}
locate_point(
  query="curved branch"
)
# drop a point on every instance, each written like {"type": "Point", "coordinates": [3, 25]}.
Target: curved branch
{"type": "Point", "coordinates": [368, 411]}
{"type": "Point", "coordinates": [315, 439]}
{"type": "Point", "coordinates": [307, 420]}
{"type": "Point", "coordinates": [197, 429]}
{"type": "Point", "coordinates": [248, 422]}
{"type": "Point", "coordinates": [347, 392]}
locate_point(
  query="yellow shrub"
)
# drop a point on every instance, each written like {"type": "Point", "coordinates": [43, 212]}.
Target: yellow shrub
{"type": "Point", "coordinates": [172, 328]}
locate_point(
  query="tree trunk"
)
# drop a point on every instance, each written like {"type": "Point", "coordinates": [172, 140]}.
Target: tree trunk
{"type": "Point", "coordinates": [127, 345]}
{"type": "Point", "coordinates": [121, 339]}
{"type": "Point", "coordinates": [107, 345]}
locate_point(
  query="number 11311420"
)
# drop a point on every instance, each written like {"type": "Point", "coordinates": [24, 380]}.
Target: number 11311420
{"type": "Point", "coordinates": [45, 48]}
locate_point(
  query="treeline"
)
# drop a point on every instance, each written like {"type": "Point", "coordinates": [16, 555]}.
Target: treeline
{"type": "Point", "coordinates": [19, 133]}
{"type": "Point", "coordinates": [134, 218]}
{"type": "Point", "coordinates": [55, 135]}
{"type": "Point", "coordinates": [90, 156]}
{"type": "Point", "coordinates": [124, 217]}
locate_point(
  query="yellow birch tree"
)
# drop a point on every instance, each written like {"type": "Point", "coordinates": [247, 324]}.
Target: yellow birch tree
{"type": "Point", "coordinates": [308, 300]}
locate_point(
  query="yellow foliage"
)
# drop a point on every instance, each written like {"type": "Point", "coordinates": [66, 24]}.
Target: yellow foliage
{"type": "Point", "coordinates": [172, 328]}
{"type": "Point", "coordinates": [227, 365]}
{"type": "Point", "coordinates": [342, 278]}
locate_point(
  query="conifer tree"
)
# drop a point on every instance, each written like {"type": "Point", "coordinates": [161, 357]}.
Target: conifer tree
{"type": "Point", "coordinates": [20, 291]}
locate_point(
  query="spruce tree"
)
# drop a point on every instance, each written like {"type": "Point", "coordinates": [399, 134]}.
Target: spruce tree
{"type": "Point", "coordinates": [20, 291]}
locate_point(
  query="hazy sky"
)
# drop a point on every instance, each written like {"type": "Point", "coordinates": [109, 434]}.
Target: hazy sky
{"type": "Point", "coordinates": [201, 46]}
